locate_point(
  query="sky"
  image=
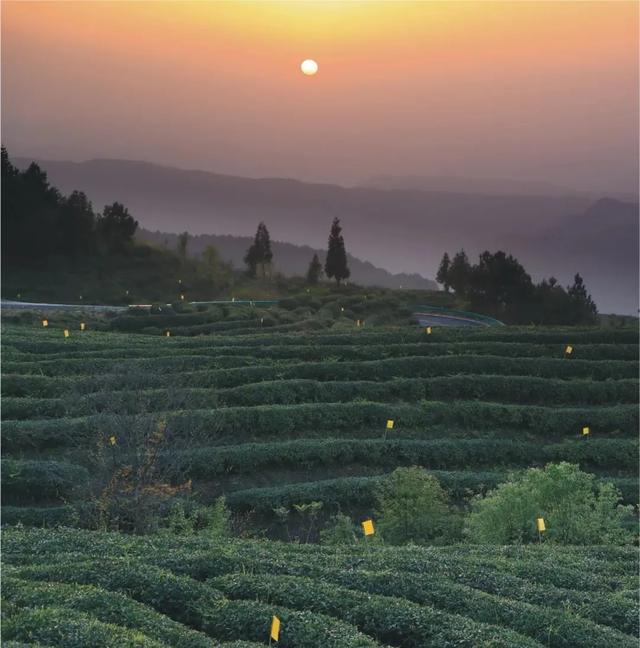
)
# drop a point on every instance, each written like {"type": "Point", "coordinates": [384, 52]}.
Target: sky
{"type": "Point", "coordinates": [538, 91]}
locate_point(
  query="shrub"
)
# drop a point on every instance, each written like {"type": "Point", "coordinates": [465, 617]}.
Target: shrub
{"type": "Point", "coordinates": [340, 530]}
{"type": "Point", "coordinates": [411, 506]}
{"type": "Point", "coordinates": [577, 509]}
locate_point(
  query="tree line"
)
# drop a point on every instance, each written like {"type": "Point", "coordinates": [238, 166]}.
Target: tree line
{"type": "Point", "coordinates": [39, 222]}
{"type": "Point", "coordinates": [259, 257]}
{"type": "Point", "coordinates": [500, 286]}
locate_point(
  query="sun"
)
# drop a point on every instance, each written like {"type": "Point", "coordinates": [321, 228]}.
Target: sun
{"type": "Point", "coordinates": [309, 67]}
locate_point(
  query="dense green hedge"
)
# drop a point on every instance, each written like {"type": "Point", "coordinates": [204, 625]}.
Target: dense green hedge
{"type": "Point", "coordinates": [620, 454]}
{"type": "Point", "coordinates": [285, 421]}
{"type": "Point", "coordinates": [354, 351]}
{"type": "Point", "coordinates": [379, 604]}
{"type": "Point", "coordinates": [60, 626]}
{"type": "Point", "coordinates": [105, 606]}
{"type": "Point", "coordinates": [20, 400]}
{"type": "Point", "coordinates": [484, 583]}
{"type": "Point", "coordinates": [197, 605]}
{"type": "Point", "coordinates": [358, 492]}
{"type": "Point", "coordinates": [39, 516]}
{"type": "Point", "coordinates": [241, 369]}
{"type": "Point", "coordinates": [514, 389]}
{"type": "Point", "coordinates": [179, 597]}
{"type": "Point", "coordinates": [40, 340]}
{"type": "Point", "coordinates": [391, 620]}
{"type": "Point", "coordinates": [40, 480]}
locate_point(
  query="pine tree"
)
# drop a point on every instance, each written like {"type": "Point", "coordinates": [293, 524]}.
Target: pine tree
{"type": "Point", "coordinates": [443, 272]}
{"type": "Point", "coordinates": [336, 263]}
{"type": "Point", "coordinates": [315, 271]}
{"type": "Point", "coordinates": [259, 255]}
{"type": "Point", "coordinates": [583, 308]}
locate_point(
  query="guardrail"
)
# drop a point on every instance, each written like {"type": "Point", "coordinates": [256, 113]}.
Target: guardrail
{"type": "Point", "coordinates": [450, 317]}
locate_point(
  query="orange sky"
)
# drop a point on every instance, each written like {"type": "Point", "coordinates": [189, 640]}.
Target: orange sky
{"type": "Point", "coordinates": [546, 91]}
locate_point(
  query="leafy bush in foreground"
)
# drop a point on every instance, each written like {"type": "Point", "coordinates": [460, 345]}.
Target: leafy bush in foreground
{"type": "Point", "coordinates": [577, 509]}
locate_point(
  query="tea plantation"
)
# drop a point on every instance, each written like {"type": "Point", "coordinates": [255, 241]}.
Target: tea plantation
{"type": "Point", "coordinates": [279, 419]}
{"type": "Point", "coordinates": [275, 419]}
{"type": "Point", "coordinates": [83, 588]}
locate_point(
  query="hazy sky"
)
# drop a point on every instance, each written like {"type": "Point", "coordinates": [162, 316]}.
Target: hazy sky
{"type": "Point", "coordinates": [546, 91]}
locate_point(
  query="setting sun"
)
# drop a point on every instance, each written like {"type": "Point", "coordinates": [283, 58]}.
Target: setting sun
{"type": "Point", "coordinates": [309, 67]}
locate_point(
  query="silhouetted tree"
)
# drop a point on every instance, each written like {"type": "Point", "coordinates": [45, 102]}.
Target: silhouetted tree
{"type": "Point", "coordinates": [500, 286]}
{"type": "Point", "coordinates": [315, 271]}
{"type": "Point", "coordinates": [116, 227]}
{"type": "Point", "coordinates": [76, 225]}
{"type": "Point", "coordinates": [583, 308]}
{"type": "Point", "coordinates": [443, 272]}
{"type": "Point", "coordinates": [459, 273]}
{"type": "Point", "coordinates": [183, 242]}
{"type": "Point", "coordinates": [259, 255]}
{"type": "Point", "coordinates": [335, 266]}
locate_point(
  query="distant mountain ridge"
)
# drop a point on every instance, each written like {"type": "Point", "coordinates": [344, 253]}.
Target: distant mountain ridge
{"type": "Point", "coordinates": [401, 230]}
{"type": "Point", "coordinates": [289, 259]}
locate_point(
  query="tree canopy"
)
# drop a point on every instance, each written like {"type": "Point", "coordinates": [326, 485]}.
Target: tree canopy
{"type": "Point", "coordinates": [39, 222]}
{"type": "Point", "coordinates": [500, 286]}
{"type": "Point", "coordinates": [259, 256]}
{"type": "Point", "coordinates": [336, 263]}
{"type": "Point", "coordinates": [315, 271]}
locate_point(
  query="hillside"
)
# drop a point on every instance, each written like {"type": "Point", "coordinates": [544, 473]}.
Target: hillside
{"type": "Point", "coordinates": [282, 411]}
{"type": "Point", "coordinates": [192, 592]}
{"type": "Point", "coordinates": [289, 259]}
{"type": "Point", "coordinates": [290, 415]}
{"type": "Point", "coordinates": [400, 230]}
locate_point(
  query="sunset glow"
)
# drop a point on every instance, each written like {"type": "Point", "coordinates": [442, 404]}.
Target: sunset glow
{"type": "Point", "coordinates": [443, 86]}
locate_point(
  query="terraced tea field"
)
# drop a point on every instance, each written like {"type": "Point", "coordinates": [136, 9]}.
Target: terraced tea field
{"type": "Point", "coordinates": [276, 419]}
{"type": "Point", "coordinates": [81, 588]}
{"type": "Point", "coordinates": [279, 419]}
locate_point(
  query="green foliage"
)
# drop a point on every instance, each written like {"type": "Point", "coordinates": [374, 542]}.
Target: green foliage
{"type": "Point", "coordinates": [576, 507]}
{"type": "Point", "coordinates": [339, 531]}
{"type": "Point", "coordinates": [559, 596]}
{"type": "Point", "coordinates": [63, 627]}
{"type": "Point", "coordinates": [411, 506]}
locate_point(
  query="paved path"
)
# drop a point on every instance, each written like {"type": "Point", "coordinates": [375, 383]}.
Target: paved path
{"type": "Point", "coordinates": [6, 303]}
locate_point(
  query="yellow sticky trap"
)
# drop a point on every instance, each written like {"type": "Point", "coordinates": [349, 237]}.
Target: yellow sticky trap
{"type": "Point", "coordinates": [540, 525]}
{"type": "Point", "coordinates": [66, 333]}
{"type": "Point", "coordinates": [585, 430]}
{"type": "Point", "coordinates": [367, 527]}
{"type": "Point", "coordinates": [390, 423]}
{"type": "Point", "coordinates": [168, 334]}
{"type": "Point", "coordinates": [45, 323]}
{"type": "Point", "coordinates": [275, 629]}
{"type": "Point", "coordinates": [82, 326]}
{"type": "Point", "coordinates": [113, 440]}
{"type": "Point", "coordinates": [568, 350]}
{"type": "Point", "coordinates": [428, 330]}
